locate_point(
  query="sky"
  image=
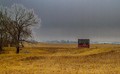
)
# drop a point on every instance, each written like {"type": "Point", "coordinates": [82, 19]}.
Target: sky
{"type": "Point", "coordinates": [98, 20]}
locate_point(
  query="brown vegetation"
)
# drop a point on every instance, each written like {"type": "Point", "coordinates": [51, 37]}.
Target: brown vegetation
{"type": "Point", "coordinates": [45, 58]}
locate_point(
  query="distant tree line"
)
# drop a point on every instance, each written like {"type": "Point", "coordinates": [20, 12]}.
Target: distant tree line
{"type": "Point", "coordinates": [61, 41]}
{"type": "Point", "coordinates": [16, 25]}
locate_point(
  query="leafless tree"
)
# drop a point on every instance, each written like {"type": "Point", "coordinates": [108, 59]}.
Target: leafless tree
{"type": "Point", "coordinates": [16, 24]}
{"type": "Point", "coordinates": [21, 22]}
{"type": "Point", "coordinates": [3, 31]}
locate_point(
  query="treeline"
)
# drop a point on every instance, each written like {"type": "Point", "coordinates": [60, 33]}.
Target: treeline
{"type": "Point", "coordinates": [16, 25]}
{"type": "Point", "coordinates": [61, 41]}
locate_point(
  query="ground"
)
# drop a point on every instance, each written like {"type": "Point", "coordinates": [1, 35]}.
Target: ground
{"type": "Point", "coordinates": [43, 58]}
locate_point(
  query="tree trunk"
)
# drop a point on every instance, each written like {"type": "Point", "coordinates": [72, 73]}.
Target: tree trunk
{"type": "Point", "coordinates": [18, 41]}
{"type": "Point", "coordinates": [18, 49]}
{"type": "Point", "coordinates": [1, 48]}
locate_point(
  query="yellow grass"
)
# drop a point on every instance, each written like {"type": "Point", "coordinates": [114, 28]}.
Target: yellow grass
{"type": "Point", "coordinates": [43, 58]}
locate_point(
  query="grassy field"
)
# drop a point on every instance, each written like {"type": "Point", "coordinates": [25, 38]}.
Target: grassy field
{"type": "Point", "coordinates": [45, 58]}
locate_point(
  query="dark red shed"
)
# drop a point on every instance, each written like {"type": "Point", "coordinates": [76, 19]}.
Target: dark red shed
{"type": "Point", "coordinates": [83, 43]}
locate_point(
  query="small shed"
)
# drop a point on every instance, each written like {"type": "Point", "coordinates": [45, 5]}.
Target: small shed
{"type": "Point", "coordinates": [83, 43]}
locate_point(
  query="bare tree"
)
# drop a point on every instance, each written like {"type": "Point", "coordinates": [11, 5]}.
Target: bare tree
{"type": "Point", "coordinates": [3, 31]}
{"type": "Point", "coordinates": [16, 24]}
{"type": "Point", "coordinates": [20, 23]}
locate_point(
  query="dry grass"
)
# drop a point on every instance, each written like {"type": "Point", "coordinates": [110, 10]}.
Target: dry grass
{"type": "Point", "coordinates": [45, 58]}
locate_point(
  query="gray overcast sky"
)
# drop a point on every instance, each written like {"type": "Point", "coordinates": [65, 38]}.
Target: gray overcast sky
{"type": "Point", "coordinates": [98, 20]}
